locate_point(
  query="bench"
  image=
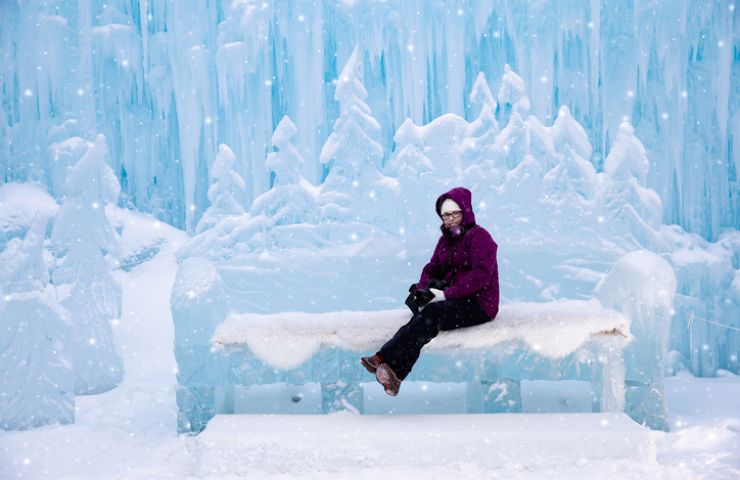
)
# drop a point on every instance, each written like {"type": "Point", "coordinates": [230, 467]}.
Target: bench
{"type": "Point", "coordinates": [217, 349]}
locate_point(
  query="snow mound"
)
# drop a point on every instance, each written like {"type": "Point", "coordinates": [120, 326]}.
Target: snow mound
{"type": "Point", "coordinates": [643, 276]}
{"type": "Point", "coordinates": [350, 444]}
{"type": "Point", "coordinates": [19, 204]}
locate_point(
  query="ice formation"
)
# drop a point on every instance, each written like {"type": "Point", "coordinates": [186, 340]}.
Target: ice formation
{"type": "Point", "coordinates": [643, 286]}
{"type": "Point", "coordinates": [81, 236]}
{"type": "Point", "coordinates": [354, 189]}
{"type": "Point", "coordinates": [37, 374]}
{"type": "Point", "coordinates": [292, 199]}
{"type": "Point", "coordinates": [226, 193]}
{"type": "Point", "coordinates": [167, 84]}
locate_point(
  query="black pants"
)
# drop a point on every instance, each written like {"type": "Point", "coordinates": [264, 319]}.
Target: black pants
{"type": "Point", "coordinates": [402, 351]}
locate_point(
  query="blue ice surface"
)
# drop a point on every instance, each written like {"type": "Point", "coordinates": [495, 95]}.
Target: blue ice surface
{"type": "Point", "coordinates": [165, 110]}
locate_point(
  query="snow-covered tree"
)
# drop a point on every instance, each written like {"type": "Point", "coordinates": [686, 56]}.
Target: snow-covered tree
{"type": "Point", "coordinates": [626, 197]}
{"type": "Point", "coordinates": [567, 131]}
{"type": "Point", "coordinates": [409, 161]}
{"type": "Point", "coordinates": [352, 144]}
{"type": "Point", "coordinates": [572, 173]}
{"type": "Point", "coordinates": [82, 234]}
{"type": "Point", "coordinates": [35, 373]}
{"type": "Point", "coordinates": [93, 302]}
{"type": "Point", "coordinates": [512, 94]}
{"type": "Point", "coordinates": [22, 266]}
{"type": "Point", "coordinates": [226, 191]}
{"type": "Point", "coordinates": [511, 144]}
{"type": "Point", "coordinates": [414, 170]}
{"type": "Point", "coordinates": [481, 97]}
{"type": "Point", "coordinates": [66, 147]}
{"type": "Point", "coordinates": [627, 157]}
{"type": "Point", "coordinates": [573, 170]}
{"type": "Point", "coordinates": [292, 198]}
{"type": "Point", "coordinates": [539, 142]}
{"type": "Point", "coordinates": [354, 189]}
{"type": "Point", "coordinates": [478, 153]}
{"type": "Point", "coordinates": [285, 160]}
{"type": "Point", "coordinates": [90, 185]}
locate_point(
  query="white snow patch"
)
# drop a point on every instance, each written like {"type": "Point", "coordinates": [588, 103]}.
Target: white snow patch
{"type": "Point", "coordinates": [20, 203]}
{"type": "Point", "coordinates": [351, 443]}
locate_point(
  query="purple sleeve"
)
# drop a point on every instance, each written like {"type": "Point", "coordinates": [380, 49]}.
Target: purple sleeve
{"type": "Point", "coordinates": [482, 266]}
{"type": "Point", "coordinates": [431, 269]}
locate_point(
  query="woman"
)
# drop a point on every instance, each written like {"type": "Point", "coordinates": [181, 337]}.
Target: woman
{"type": "Point", "coordinates": [458, 288]}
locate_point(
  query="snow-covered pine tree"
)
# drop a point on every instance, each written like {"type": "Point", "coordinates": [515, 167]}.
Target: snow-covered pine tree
{"type": "Point", "coordinates": [567, 131]}
{"type": "Point", "coordinates": [292, 199]}
{"type": "Point", "coordinates": [478, 153]}
{"type": "Point", "coordinates": [413, 169]}
{"type": "Point", "coordinates": [354, 189]}
{"type": "Point", "coordinates": [512, 94]}
{"type": "Point", "coordinates": [481, 97]}
{"type": "Point", "coordinates": [523, 135]}
{"type": "Point", "coordinates": [409, 161]}
{"type": "Point", "coordinates": [627, 158]}
{"type": "Point", "coordinates": [573, 170]}
{"type": "Point", "coordinates": [35, 373]}
{"type": "Point", "coordinates": [22, 266]}
{"type": "Point", "coordinates": [626, 198]}
{"type": "Point", "coordinates": [82, 235]}
{"type": "Point", "coordinates": [90, 185]}
{"type": "Point", "coordinates": [226, 192]}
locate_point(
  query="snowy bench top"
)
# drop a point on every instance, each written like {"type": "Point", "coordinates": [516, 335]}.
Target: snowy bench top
{"type": "Point", "coordinates": [286, 340]}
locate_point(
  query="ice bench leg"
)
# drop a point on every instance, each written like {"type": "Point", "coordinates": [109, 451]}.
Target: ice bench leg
{"type": "Point", "coordinates": [607, 378]}
{"type": "Point", "coordinates": [494, 396]}
{"type": "Point", "coordinates": [195, 406]}
{"type": "Point", "coordinates": [339, 396]}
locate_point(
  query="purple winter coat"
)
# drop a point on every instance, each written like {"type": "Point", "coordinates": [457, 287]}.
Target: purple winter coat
{"type": "Point", "coordinates": [471, 270]}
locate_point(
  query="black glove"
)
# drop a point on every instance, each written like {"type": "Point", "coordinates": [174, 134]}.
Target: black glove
{"type": "Point", "coordinates": [423, 297]}
{"type": "Point", "coordinates": [417, 298]}
{"type": "Point", "coordinates": [411, 300]}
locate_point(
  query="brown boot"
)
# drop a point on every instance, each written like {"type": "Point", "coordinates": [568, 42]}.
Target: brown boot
{"type": "Point", "coordinates": [387, 377]}
{"type": "Point", "coordinates": [371, 363]}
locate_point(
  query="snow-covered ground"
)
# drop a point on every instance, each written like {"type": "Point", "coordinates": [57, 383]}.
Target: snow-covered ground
{"type": "Point", "coordinates": [130, 431]}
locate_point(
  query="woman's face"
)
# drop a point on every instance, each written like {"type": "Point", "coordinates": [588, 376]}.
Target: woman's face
{"type": "Point", "coordinates": [452, 219]}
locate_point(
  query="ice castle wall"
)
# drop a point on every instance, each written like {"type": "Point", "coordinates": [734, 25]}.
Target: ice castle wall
{"type": "Point", "coordinates": [167, 81]}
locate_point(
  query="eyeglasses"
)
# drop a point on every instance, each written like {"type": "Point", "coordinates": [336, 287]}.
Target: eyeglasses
{"type": "Point", "coordinates": [456, 214]}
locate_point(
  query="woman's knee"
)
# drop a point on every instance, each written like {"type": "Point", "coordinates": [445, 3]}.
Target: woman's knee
{"type": "Point", "coordinates": [432, 309]}
{"type": "Point", "coordinates": [431, 315]}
